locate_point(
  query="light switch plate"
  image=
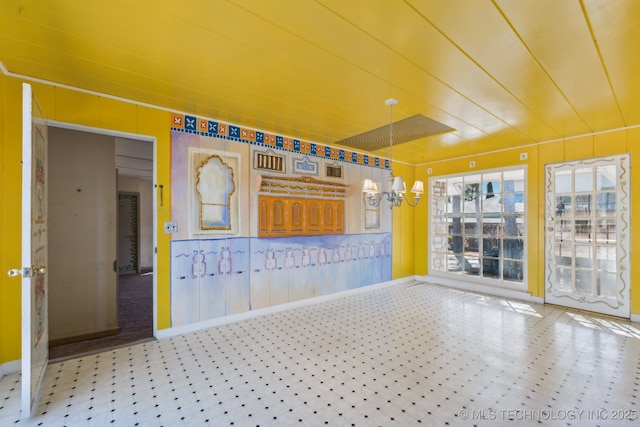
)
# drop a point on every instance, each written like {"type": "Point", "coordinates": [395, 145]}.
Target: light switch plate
{"type": "Point", "coordinates": [171, 227]}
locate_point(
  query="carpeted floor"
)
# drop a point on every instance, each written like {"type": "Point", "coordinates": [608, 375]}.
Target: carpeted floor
{"type": "Point", "coordinates": [135, 318]}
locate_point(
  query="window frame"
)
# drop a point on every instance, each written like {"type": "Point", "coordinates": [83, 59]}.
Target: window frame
{"type": "Point", "coordinates": [435, 236]}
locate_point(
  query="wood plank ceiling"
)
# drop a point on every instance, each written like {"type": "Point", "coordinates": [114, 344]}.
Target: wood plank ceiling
{"type": "Point", "coordinates": [503, 73]}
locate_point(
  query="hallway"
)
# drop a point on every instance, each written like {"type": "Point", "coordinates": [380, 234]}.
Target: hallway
{"type": "Point", "coordinates": [403, 355]}
{"type": "Point", "coordinates": [135, 318]}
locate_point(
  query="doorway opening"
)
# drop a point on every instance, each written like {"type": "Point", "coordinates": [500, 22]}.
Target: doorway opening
{"type": "Point", "coordinates": [101, 277]}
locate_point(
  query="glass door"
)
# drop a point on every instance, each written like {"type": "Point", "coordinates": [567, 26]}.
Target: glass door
{"type": "Point", "coordinates": [587, 235]}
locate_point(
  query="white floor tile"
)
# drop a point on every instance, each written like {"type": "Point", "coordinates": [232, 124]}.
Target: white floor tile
{"type": "Point", "coordinates": [401, 356]}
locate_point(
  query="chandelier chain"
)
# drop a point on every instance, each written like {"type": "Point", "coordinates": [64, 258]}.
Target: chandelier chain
{"type": "Point", "coordinates": [396, 195]}
{"type": "Point", "coordinates": [391, 138]}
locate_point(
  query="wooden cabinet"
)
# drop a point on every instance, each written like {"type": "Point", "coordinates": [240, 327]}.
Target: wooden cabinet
{"type": "Point", "coordinates": [284, 209]}
{"type": "Point", "coordinates": [283, 216]}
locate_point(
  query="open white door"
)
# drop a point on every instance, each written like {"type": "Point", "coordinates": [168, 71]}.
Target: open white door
{"type": "Point", "coordinates": [35, 337]}
{"type": "Point", "coordinates": [587, 235]}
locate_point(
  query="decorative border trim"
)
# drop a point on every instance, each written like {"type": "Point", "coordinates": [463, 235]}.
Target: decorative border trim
{"type": "Point", "coordinates": [305, 187]}
{"type": "Point", "coordinates": [213, 129]}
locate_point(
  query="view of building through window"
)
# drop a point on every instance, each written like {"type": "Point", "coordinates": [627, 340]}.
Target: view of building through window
{"type": "Point", "coordinates": [477, 225]}
{"type": "Point", "coordinates": [583, 230]}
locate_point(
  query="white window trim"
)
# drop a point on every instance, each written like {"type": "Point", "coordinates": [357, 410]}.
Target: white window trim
{"type": "Point", "coordinates": [477, 280]}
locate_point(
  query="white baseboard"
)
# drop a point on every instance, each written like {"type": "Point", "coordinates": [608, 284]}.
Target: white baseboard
{"type": "Point", "coordinates": [9, 368]}
{"type": "Point", "coordinates": [483, 289]}
{"type": "Point", "coordinates": [491, 290]}
{"type": "Point", "coordinates": [192, 327]}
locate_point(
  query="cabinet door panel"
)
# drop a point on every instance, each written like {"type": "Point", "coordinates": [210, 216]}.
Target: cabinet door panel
{"type": "Point", "coordinates": [279, 217]}
{"type": "Point", "coordinates": [339, 217]}
{"type": "Point", "coordinates": [297, 210]}
{"type": "Point", "coordinates": [264, 222]}
{"type": "Point", "coordinates": [314, 224]}
{"type": "Point", "coordinates": [328, 218]}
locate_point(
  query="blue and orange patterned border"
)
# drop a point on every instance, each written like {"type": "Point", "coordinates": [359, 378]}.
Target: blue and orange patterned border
{"type": "Point", "coordinates": [205, 127]}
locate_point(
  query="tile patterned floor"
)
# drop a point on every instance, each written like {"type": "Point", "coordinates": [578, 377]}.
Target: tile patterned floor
{"type": "Point", "coordinates": [412, 354]}
{"type": "Point", "coordinates": [135, 319]}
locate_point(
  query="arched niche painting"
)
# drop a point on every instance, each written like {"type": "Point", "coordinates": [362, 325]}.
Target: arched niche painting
{"type": "Point", "coordinates": [215, 188]}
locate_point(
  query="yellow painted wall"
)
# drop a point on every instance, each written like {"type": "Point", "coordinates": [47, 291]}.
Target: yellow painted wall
{"type": "Point", "coordinates": [82, 109]}
{"type": "Point", "coordinates": [3, 248]}
{"type": "Point", "coordinates": [403, 223]}
{"type": "Point", "coordinates": [410, 226]}
{"type": "Point", "coordinates": [618, 142]}
{"type": "Point", "coordinates": [2, 206]}
{"type": "Point", "coordinates": [632, 140]}
{"type": "Point", "coordinates": [10, 189]}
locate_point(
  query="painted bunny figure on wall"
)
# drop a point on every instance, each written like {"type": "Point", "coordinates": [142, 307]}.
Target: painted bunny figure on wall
{"type": "Point", "coordinates": [289, 260]}
{"type": "Point", "coordinates": [199, 267]}
{"type": "Point", "coordinates": [271, 263]}
{"type": "Point", "coordinates": [224, 265]}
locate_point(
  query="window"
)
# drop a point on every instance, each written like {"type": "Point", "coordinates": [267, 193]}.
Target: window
{"type": "Point", "coordinates": [333, 171]}
{"type": "Point", "coordinates": [477, 226]}
{"type": "Point", "coordinates": [268, 161]}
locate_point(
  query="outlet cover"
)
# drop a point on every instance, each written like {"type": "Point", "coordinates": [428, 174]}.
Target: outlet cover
{"type": "Point", "coordinates": [524, 156]}
{"type": "Point", "coordinates": [429, 171]}
{"type": "Point", "coordinates": [171, 227]}
{"type": "Point", "coordinates": [472, 164]}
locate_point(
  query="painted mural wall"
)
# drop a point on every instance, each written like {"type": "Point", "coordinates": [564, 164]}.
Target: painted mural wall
{"type": "Point", "coordinates": [219, 264]}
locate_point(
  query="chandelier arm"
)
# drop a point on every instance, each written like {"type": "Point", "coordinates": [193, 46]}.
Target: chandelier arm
{"type": "Point", "coordinates": [375, 200]}
{"type": "Point", "coordinates": [413, 205]}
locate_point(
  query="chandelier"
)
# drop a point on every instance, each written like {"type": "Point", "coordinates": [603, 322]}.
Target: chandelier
{"type": "Point", "coordinates": [398, 187]}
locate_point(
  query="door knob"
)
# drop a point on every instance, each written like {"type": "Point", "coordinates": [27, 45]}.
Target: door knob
{"type": "Point", "coordinates": [38, 270]}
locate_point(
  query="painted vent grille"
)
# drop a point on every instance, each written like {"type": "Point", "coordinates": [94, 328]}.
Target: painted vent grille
{"type": "Point", "coordinates": [405, 130]}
